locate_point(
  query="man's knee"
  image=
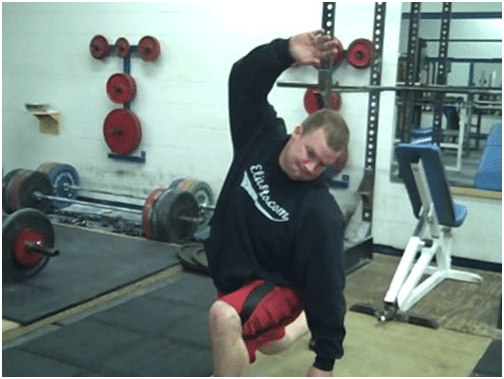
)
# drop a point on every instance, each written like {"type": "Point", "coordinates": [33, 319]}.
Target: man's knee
{"type": "Point", "coordinates": [224, 319]}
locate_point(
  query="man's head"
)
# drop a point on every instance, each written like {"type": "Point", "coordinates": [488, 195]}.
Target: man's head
{"type": "Point", "coordinates": [321, 141]}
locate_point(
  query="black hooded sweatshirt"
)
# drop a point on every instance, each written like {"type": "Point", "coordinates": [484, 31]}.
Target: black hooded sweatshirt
{"type": "Point", "coordinates": [267, 226]}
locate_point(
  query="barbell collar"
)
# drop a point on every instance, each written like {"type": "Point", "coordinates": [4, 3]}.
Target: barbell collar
{"type": "Point", "coordinates": [37, 246]}
{"type": "Point", "coordinates": [196, 220]}
{"type": "Point", "coordinates": [207, 207]}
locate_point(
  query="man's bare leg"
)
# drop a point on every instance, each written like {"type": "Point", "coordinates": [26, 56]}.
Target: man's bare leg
{"type": "Point", "coordinates": [294, 331]}
{"type": "Point", "coordinates": [230, 355]}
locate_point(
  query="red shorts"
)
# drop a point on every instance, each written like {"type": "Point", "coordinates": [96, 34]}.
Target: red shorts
{"type": "Point", "coordinates": [275, 308]}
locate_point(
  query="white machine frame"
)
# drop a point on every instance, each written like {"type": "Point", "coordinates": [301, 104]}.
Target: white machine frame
{"type": "Point", "coordinates": [429, 239]}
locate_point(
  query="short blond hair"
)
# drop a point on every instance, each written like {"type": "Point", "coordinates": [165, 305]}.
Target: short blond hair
{"type": "Point", "coordinates": [334, 124]}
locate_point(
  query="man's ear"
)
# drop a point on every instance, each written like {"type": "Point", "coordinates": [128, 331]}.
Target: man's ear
{"type": "Point", "coordinates": [298, 131]}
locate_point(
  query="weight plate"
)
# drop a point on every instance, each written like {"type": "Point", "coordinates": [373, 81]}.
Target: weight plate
{"type": "Point", "coordinates": [193, 257]}
{"type": "Point", "coordinates": [28, 224]}
{"type": "Point", "coordinates": [121, 88]}
{"type": "Point", "coordinates": [99, 47]}
{"type": "Point", "coordinates": [12, 190]}
{"type": "Point", "coordinates": [156, 214]}
{"type": "Point", "coordinates": [147, 212]}
{"type": "Point", "coordinates": [149, 48]}
{"type": "Point", "coordinates": [176, 182]}
{"type": "Point", "coordinates": [203, 194]}
{"type": "Point", "coordinates": [23, 187]}
{"type": "Point", "coordinates": [62, 177]}
{"type": "Point", "coordinates": [5, 183]}
{"type": "Point", "coordinates": [314, 100]}
{"type": "Point", "coordinates": [123, 47]}
{"type": "Point", "coordinates": [360, 53]}
{"type": "Point", "coordinates": [171, 209]}
{"type": "Point", "coordinates": [22, 255]}
{"type": "Point", "coordinates": [122, 131]}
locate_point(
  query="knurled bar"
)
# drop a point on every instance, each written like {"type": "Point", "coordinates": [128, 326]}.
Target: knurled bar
{"type": "Point", "coordinates": [374, 106]}
{"type": "Point", "coordinates": [441, 77]}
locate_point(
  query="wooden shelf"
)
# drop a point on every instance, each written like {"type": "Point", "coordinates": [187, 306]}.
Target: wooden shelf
{"type": "Point", "coordinates": [49, 121]}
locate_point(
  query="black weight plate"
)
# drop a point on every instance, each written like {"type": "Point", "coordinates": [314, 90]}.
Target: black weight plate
{"type": "Point", "coordinates": [36, 181]}
{"type": "Point", "coordinates": [12, 228]}
{"type": "Point", "coordinates": [201, 258]}
{"type": "Point", "coordinates": [13, 189]}
{"type": "Point", "coordinates": [172, 206]}
{"type": "Point", "coordinates": [62, 176]}
{"type": "Point", "coordinates": [155, 215]}
{"type": "Point", "coordinates": [193, 257]}
{"type": "Point", "coordinates": [203, 194]}
{"type": "Point", "coordinates": [5, 182]}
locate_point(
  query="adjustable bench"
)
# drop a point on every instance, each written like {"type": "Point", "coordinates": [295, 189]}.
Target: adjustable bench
{"type": "Point", "coordinates": [421, 167]}
{"type": "Point", "coordinates": [424, 176]}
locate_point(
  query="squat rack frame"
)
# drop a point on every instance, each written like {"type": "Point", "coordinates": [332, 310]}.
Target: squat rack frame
{"type": "Point", "coordinates": [407, 91]}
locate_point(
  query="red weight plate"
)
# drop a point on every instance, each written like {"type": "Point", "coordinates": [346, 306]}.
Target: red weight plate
{"type": "Point", "coordinates": [149, 48]}
{"type": "Point", "coordinates": [21, 253]}
{"type": "Point", "coordinates": [122, 131]}
{"type": "Point", "coordinates": [123, 47]}
{"type": "Point", "coordinates": [147, 212]}
{"type": "Point", "coordinates": [99, 47]}
{"type": "Point", "coordinates": [121, 88]}
{"type": "Point", "coordinates": [314, 100]}
{"type": "Point", "coordinates": [14, 189]}
{"type": "Point", "coordinates": [360, 53]}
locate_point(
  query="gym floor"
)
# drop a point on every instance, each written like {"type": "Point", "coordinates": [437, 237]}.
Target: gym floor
{"type": "Point", "coordinates": [116, 305]}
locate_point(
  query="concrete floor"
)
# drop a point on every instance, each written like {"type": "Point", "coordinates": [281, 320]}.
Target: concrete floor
{"type": "Point", "coordinates": [391, 349]}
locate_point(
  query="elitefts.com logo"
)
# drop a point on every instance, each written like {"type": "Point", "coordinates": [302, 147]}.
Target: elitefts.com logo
{"type": "Point", "coordinates": [261, 197]}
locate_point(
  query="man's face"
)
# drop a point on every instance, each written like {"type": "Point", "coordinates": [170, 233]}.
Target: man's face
{"type": "Point", "coordinates": [305, 157]}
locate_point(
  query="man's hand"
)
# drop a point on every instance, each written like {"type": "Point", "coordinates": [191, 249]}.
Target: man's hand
{"type": "Point", "coordinates": [313, 371]}
{"type": "Point", "coordinates": [313, 47]}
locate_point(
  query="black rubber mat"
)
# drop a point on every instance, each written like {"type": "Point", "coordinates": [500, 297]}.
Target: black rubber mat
{"type": "Point", "coordinates": [161, 333]}
{"type": "Point", "coordinates": [490, 364]}
{"type": "Point", "coordinates": [90, 263]}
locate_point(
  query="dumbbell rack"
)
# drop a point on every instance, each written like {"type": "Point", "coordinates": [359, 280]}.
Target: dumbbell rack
{"type": "Point", "coordinates": [100, 49]}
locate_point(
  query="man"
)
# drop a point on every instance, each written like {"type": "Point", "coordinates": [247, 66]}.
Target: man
{"type": "Point", "coordinates": [275, 249]}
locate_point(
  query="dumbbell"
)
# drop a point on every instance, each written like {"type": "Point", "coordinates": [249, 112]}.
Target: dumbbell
{"type": "Point", "coordinates": [27, 244]}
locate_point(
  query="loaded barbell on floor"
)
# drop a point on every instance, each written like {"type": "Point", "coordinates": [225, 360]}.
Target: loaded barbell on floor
{"type": "Point", "coordinates": [65, 181]}
{"type": "Point", "coordinates": [171, 215]}
{"type": "Point", "coordinates": [27, 243]}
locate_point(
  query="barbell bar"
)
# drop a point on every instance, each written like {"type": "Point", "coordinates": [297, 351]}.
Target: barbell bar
{"type": "Point", "coordinates": [39, 195]}
{"type": "Point", "coordinates": [369, 88]}
{"type": "Point", "coordinates": [127, 195]}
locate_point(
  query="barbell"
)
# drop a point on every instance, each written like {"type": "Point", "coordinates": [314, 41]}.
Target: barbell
{"type": "Point", "coordinates": [420, 88]}
{"type": "Point", "coordinates": [65, 181]}
{"type": "Point", "coordinates": [169, 214]}
{"type": "Point", "coordinates": [27, 244]}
